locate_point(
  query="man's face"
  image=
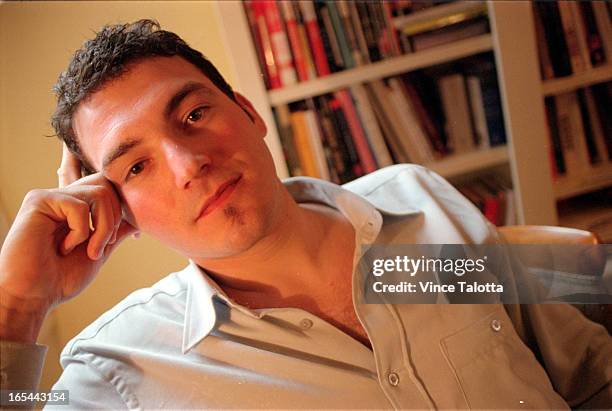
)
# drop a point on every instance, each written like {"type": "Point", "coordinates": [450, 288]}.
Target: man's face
{"type": "Point", "coordinates": [190, 164]}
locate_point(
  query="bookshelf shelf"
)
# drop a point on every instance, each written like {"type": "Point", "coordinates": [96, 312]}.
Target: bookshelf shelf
{"type": "Point", "coordinates": [597, 179]}
{"type": "Point", "coordinates": [381, 69]}
{"type": "Point", "coordinates": [465, 163]}
{"type": "Point", "coordinates": [576, 81]}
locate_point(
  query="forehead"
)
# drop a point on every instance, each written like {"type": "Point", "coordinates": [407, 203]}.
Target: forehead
{"type": "Point", "coordinates": [126, 101]}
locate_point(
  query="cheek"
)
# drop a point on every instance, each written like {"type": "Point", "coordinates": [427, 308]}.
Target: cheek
{"type": "Point", "coordinates": [150, 210]}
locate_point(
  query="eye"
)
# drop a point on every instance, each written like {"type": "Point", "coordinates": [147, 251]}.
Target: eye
{"type": "Point", "coordinates": [196, 115]}
{"type": "Point", "coordinates": [135, 169]}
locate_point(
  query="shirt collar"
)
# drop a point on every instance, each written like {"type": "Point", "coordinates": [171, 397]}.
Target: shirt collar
{"type": "Point", "coordinates": [366, 218]}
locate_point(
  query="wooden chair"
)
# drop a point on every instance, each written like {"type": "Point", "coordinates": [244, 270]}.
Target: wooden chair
{"type": "Point", "coordinates": [543, 234]}
{"type": "Point", "coordinates": [537, 234]}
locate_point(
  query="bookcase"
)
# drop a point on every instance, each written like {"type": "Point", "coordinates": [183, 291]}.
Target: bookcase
{"type": "Point", "coordinates": [524, 159]}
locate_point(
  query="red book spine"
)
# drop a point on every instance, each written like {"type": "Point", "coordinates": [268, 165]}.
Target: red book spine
{"type": "Point", "coordinates": [366, 158]}
{"type": "Point", "coordinates": [280, 44]}
{"type": "Point", "coordinates": [264, 35]}
{"type": "Point", "coordinates": [294, 40]}
{"type": "Point", "coordinates": [314, 35]}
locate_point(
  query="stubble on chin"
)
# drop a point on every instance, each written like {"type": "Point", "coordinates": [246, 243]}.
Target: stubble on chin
{"type": "Point", "coordinates": [233, 214]}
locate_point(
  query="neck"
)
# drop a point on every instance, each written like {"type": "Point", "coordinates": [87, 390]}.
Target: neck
{"type": "Point", "coordinates": [291, 265]}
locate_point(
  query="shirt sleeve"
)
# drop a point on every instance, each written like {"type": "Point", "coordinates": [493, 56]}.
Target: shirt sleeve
{"type": "Point", "coordinates": [21, 365]}
{"type": "Point", "coordinates": [576, 352]}
{"type": "Point", "coordinates": [87, 389]}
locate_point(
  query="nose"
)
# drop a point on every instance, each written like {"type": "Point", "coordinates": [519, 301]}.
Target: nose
{"type": "Point", "coordinates": [185, 163]}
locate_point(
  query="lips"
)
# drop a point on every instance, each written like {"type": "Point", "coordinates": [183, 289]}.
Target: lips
{"type": "Point", "coordinates": [222, 193]}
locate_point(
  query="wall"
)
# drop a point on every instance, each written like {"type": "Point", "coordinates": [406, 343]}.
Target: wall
{"type": "Point", "coordinates": [36, 41]}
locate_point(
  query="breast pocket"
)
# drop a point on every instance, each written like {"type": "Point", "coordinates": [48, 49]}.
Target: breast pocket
{"type": "Point", "coordinates": [496, 370]}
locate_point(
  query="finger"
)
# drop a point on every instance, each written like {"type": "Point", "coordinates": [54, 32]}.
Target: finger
{"type": "Point", "coordinates": [70, 168]}
{"type": "Point", "coordinates": [103, 219]}
{"type": "Point", "coordinates": [76, 214]}
{"type": "Point", "coordinates": [125, 230]}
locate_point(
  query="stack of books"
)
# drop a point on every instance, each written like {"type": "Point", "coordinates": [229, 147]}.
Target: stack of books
{"type": "Point", "coordinates": [580, 131]}
{"type": "Point", "coordinates": [418, 117]}
{"type": "Point", "coordinates": [298, 41]}
{"type": "Point", "coordinates": [572, 36]}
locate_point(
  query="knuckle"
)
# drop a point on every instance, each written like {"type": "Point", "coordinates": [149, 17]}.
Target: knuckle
{"type": "Point", "coordinates": [36, 195]}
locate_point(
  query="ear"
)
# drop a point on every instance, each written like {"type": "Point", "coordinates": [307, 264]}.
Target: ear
{"type": "Point", "coordinates": [254, 116]}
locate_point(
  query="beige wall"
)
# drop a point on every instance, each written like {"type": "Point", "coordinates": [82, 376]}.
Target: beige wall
{"type": "Point", "coordinates": [36, 41]}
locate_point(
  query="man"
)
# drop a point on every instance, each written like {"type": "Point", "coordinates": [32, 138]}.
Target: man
{"type": "Point", "coordinates": [269, 313]}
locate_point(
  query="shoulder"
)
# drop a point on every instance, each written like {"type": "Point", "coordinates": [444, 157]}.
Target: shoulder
{"type": "Point", "coordinates": [130, 321]}
{"type": "Point", "coordinates": [408, 190]}
{"type": "Point", "coordinates": [405, 187]}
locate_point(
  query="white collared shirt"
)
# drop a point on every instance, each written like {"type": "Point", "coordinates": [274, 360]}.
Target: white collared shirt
{"type": "Point", "coordinates": [183, 344]}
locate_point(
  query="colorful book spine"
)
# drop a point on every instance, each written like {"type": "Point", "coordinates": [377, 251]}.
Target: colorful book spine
{"type": "Point", "coordinates": [299, 54]}
{"type": "Point", "coordinates": [366, 158]}
{"type": "Point", "coordinates": [266, 44]}
{"type": "Point", "coordinates": [370, 125]}
{"type": "Point", "coordinates": [280, 44]}
{"type": "Point", "coordinates": [308, 163]}
{"type": "Point", "coordinates": [314, 35]}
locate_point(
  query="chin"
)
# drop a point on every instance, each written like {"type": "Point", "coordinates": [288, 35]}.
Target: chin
{"type": "Point", "coordinates": [242, 231]}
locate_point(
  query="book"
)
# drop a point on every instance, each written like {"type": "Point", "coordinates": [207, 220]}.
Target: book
{"type": "Point", "coordinates": [400, 141]}
{"type": "Point", "coordinates": [303, 38]}
{"type": "Point", "coordinates": [283, 119]}
{"type": "Point", "coordinates": [425, 115]}
{"type": "Point", "coordinates": [366, 157]}
{"type": "Point", "coordinates": [581, 34]}
{"type": "Point", "coordinates": [280, 43]}
{"type": "Point", "coordinates": [571, 133]}
{"type": "Point", "coordinates": [350, 31]}
{"type": "Point", "coordinates": [546, 68]}
{"type": "Point", "coordinates": [359, 32]}
{"type": "Point", "coordinates": [413, 130]}
{"type": "Point", "coordinates": [604, 25]}
{"type": "Point", "coordinates": [458, 124]}
{"type": "Point", "coordinates": [602, 94]}
{"type": "Point", "coordinates": [484, 70]}
{"type": "Point", "coordinates": [308, 163]}
{"type": "Point", "coordinates": [571, 37]}
{"type": "Point", "coordinates": [439, 17]}
{"type": "Point", "coordinates": [588, 127]}
{"type": "Point", "coordinates": [446, 35]}
{"type": "Point", "coordinates": [314, 36]}
{"type": "Point", "coordinates": [555, 37]}
{"type": "Point", "coordinates": [257, 41]}
{"type": "Point", "coordinates": [478, 112]}
{"type": "Point", "coordinates": [383, 117]}
{"type": "Point", "coordinates": [558, 165]}
{"type": "Point", "coordinates": [340, 158]}
{"type": "Point", "coordinates": [370, 125]}
{"type": "Point", "coordinates": [271, 65]}
{"type": "Point", "coordinates": [346, 137]}
{"type": "Point", "coordinates": [598, 132]}
{"type": "Point", "coordinates": [593, 38]}
{"type": "Point", "coordinates": [330, 42]}
{"type": "Point", "coordinates": [316, 143]}
{"type": "Point", "coordinates": [340, 35]}
{"type": "Point", "coordinates": [299, 54]}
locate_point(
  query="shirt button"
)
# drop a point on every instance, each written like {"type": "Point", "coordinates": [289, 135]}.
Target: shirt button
{"type": "Point", "coordinates": [393, 379]}
{"type": "Point", "coordinates": [496, 325]}
{"type": "Point", "coordinates": [306, 323]}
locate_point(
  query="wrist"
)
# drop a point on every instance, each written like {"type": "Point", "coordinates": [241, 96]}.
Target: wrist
{"type": "Point", "coordinates": [20, 319]}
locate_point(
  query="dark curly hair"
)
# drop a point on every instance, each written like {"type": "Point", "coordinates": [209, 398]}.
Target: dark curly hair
{"type": "Point", "coordinates": [106, 57]}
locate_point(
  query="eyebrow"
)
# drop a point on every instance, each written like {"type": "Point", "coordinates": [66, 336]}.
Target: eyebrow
{"type": "Point", "coordinates": [124, 147]}
{"type": "Point", "coordinates": [182, 93]}
{"type": "Point", "coordinates": [119, 151]}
